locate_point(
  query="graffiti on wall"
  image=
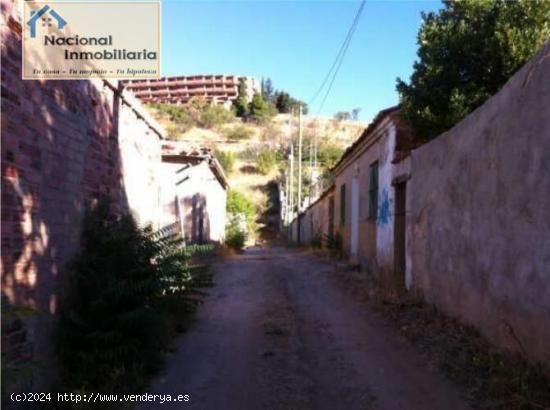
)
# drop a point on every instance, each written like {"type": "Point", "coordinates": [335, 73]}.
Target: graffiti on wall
{"type": "Point", "coordinates": [384, 209]}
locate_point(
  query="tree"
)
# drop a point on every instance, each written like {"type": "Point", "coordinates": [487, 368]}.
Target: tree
{"type": "Point", "coordinates": [267, 89]}
{"type": "Point", "coordinates": [241, 103]}
{"type": "Point", "coordinates": [259, 108]}
{"type": "Point", "coordinates": [355, 114]}
{"type": "Point", "coordinates": [467, 51]}
{"type": "Point", "coordinates": [285, 103]}
{"type": "Point", "coordinates": [342, 116]}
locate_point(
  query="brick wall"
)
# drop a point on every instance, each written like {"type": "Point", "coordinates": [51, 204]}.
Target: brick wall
{"type": "Point", "coordinates": [64, 143]}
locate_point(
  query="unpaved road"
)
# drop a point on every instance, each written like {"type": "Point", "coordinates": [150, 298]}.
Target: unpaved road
{"type": "Point", "coordinates": [277, 333]}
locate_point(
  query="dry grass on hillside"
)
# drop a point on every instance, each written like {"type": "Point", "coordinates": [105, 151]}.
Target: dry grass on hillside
{"type": "Point", "coordinates": [245, 177]}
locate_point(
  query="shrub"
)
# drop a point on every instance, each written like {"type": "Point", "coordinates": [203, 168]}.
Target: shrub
{"type": "Point", "coordinates": [235, 237]}
{"type": "Point", "coordinates": [328, 154]}
{"type": "Point", "coordinates": [335, 244]}
{"type": "Point", "coordinates": [238, 203]}
{"type": "Point", "coordinates": [115, 314]}
{"type": "Point", "coordinates": [238, 132]}
{"type": "Point", "coordinates": [317, 241]}
{"type": "Point", "coordinates": [267, 160]}
{"type": "Point", "coordinates": [177, 113]}
{"type": "Point", "coordinates": [260, 110]}
{"type": "Point", "coordinates": [226, 160]}
{"type": "Point", "coordinates": [198, 112]}
{"type": "Point", "coordinates": [214, 116]}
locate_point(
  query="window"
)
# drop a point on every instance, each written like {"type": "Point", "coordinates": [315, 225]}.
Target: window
{"type": "Point", "coordinates": [343, 204]}
{"type": "Point", "coordinates": [373, 191]}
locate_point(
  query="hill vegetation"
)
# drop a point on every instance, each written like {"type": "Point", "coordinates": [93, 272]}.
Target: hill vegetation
{"type": "Point", "coordinates": [252, 143]}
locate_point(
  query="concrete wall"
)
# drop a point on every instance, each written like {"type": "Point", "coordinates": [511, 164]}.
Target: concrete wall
{"type": "Point", "coordinates": [480, 215]}
{"type": "Point", "coordinates": [64, 144]}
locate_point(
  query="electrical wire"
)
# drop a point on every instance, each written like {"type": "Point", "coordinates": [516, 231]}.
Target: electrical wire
{"type": "Point", "coordinates": [344, 49]}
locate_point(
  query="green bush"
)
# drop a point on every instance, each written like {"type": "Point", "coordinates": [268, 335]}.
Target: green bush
{"type": "Point", "coordinates": [328, 154]}
{"type": "Point", "coordinates": [241, 219]}
{"type": "Point", "coordinates": [234, 236]}
{"type": "Point", "coordinates": [198, 112]}
{"type": "Point", "coordinates": [267, 160]}
{"type": "Point", "coordinates": [226, 160]}
{"type": "Point", "coordinates": [238, 203]}
{"type": "Point", "coordinates": [214, 116]}
{"type": "Point", "coordinates": [238, 132]}
{"type": "Point", "coordinates": [115, 315]}
{"type": "Point", "coordinates": [260, 110]}
{"type": "Point", "coordinates": [177, 113]}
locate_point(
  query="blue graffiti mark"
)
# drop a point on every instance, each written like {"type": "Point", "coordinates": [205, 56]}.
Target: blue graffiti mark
{"type": "Point", "coordinates": [384, 209]}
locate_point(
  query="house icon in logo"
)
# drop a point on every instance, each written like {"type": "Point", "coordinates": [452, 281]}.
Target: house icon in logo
{"type": "Point", "coordinates": [46, 21]}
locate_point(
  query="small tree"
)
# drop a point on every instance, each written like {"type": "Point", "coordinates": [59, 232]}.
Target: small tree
{"type": "Point", "coordinates": [267, 89]}
{"type": "Point", "coordinates": [241, 103]}
{"type": "Point", "coordinates": [342, 116]}
{"type": "Point", "coordinates": [285, 103]}
{"type": "Point", "coordinates": [355, 114]}
{"type": "Point", "coordinates": [467, 51]}
{"type": "Point", "coordinates": [259, 109]}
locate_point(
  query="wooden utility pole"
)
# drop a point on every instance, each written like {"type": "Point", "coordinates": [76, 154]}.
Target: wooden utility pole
{"type": "Point", "coordinates": [300, 160]}
{"type": "Point", "coordinates": [310, 197]}
{"type": "Point", "coordinates": [291, 160]}
{"type": "Point", "coordinates": [314, 173]}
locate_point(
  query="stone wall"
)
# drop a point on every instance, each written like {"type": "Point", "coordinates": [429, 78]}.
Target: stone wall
{"type": "Point", "coordinates": [64, 144]}
{"type": "Point", "coordinates": [479, 215]}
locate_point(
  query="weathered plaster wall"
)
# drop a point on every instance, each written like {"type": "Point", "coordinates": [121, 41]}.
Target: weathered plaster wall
{"type": "Point", "coordinates": [375, 248]}
{"type": "Point", "coordinates": [200, 195]}
{"type": "Point", "coordinates": [140, 149]}
{"type": "Point", "coordinates": [480, 215]}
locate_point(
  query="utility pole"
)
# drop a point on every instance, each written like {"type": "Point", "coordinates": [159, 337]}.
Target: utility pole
{"type": "Point", "coordinates": [300, 160]}
{"type": "Point", "coordinates": [314, 173]}
{"type": "Point", "coordinates": [311, 140]}
{"type": "Point", "coordinates": [291, 160]}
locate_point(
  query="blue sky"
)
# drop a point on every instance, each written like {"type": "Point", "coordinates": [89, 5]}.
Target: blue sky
{"type": "Point", "coordinates": [294, 43]}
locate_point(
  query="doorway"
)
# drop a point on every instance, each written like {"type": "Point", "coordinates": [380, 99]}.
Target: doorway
{"type": "Point", "coordinates": [399, 231]}
{"type": "Point", "coordinates": [330, 219]}
{"type": "Point", "coordinates": [354, 217]}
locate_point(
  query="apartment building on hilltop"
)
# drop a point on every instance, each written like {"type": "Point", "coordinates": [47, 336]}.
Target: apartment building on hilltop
{"type": "Point", "coordinates": [219, 89]}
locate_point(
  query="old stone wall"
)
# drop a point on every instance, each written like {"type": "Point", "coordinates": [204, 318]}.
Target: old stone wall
{"type": "Point", "coordinates": [479, 215]}
{"type": "Point", "coordinates": [64, 144]}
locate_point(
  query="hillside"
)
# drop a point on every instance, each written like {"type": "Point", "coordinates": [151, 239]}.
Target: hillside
{"type": "Point", "coordinates": [244, 148]}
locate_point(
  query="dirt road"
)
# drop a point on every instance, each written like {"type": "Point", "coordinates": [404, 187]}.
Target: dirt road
{"type": "Point", "coordinates": [276, 333]}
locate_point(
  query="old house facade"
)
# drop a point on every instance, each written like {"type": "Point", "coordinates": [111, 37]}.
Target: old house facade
{"type": "Point", "coordinates": [198, 200]}
{"type": "Point", "coordinates": [370, 193]}
{"type": "Point", "coordinates": [462, 220]}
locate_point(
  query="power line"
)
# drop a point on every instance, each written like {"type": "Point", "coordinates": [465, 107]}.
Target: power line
{"type": "Point", "coordinates": [343, 54]}
{"type": "Point", "coordinates": [346, 40]}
